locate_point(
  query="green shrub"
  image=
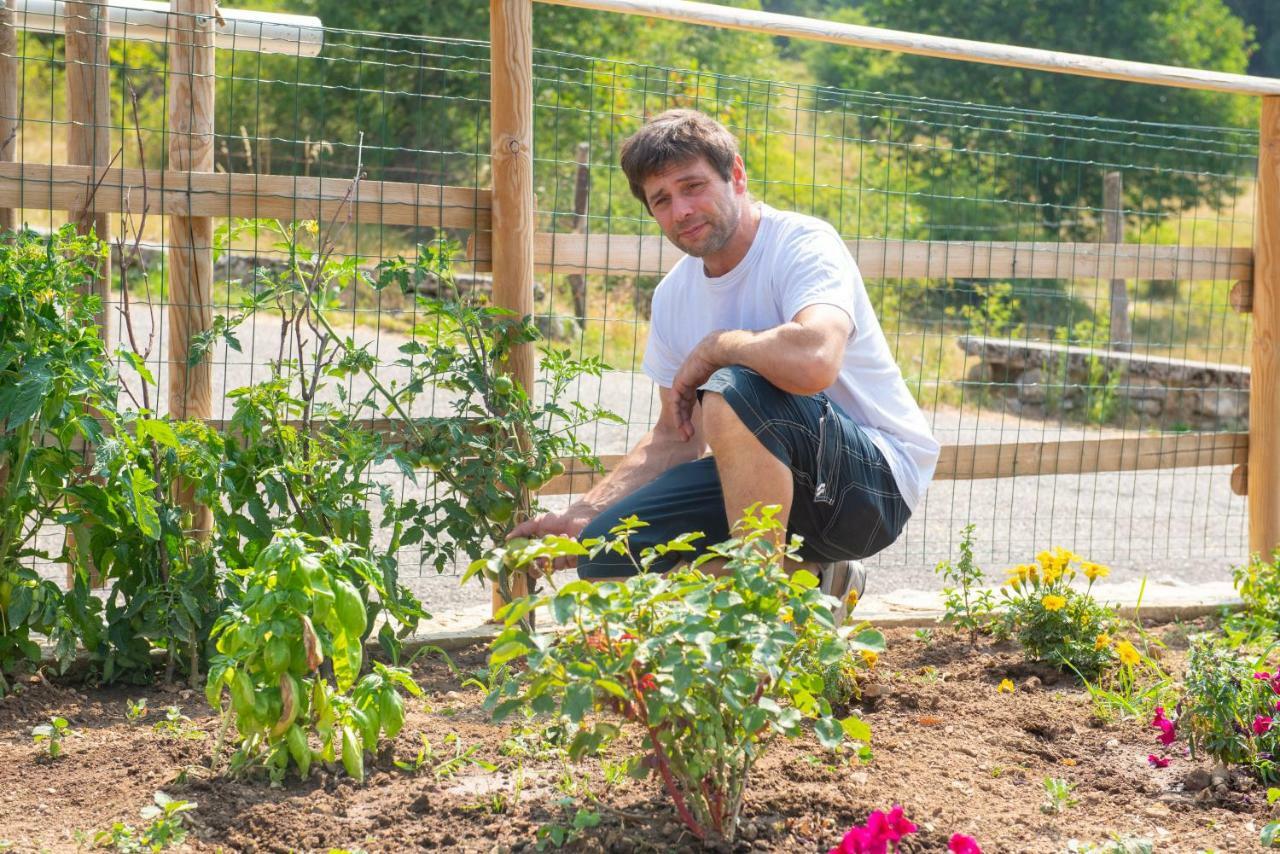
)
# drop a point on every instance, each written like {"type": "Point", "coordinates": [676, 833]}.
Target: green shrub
{"type": "Point", "coordinates": [1227, 708]}
{"type": "Point", "coordinates": [709, 669]}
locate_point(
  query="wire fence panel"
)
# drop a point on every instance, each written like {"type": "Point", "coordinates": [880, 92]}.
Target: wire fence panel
{"type": "Point", "coordinates": [1042, 279]}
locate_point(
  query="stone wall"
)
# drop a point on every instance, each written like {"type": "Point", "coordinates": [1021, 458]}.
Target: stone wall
{"type": "Point", "coordinates": [1029, 376]}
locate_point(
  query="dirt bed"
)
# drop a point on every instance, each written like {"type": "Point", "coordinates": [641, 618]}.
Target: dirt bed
{"type": "Point", "coordinates": [958, 754]}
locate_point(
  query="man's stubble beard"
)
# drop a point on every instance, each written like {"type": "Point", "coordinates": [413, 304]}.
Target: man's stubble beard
{"type": "Point", "coordinates": [721, 233]}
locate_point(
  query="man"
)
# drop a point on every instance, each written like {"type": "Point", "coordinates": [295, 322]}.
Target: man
{"type": "Point", "coordinates": [767, 353]}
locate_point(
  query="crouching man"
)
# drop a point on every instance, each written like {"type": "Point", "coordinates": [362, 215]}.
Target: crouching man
{"type": "Point", "coordinates": [777, 383]}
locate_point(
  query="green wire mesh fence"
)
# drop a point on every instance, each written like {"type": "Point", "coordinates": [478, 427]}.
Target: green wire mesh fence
{"type": "Point", "coordinates": [1025, 266]}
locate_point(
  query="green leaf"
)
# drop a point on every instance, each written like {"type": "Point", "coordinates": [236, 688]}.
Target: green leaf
{"type": "Point", "coordinates": [855, 728]}
{"type": "Point", "coordinates": [611, 687]}
{"type": "Point", "coordinates": [1270, 834]}
{"type": "Point", "coordinates": [158, 430]}
{"type": "Point", "coordinates": [830, 733]}
{"type": "Point", "coordinates": [144, 505]}
{"type": "Point", "coordinates": [507, 651]}
{"type": "Point", "coordinates": [804, 579]}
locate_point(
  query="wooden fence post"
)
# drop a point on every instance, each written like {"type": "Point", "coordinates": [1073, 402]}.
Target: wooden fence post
{"type": "Point", "coordinates": [1113, 228]}
{"type": "Point", "coordinates": [581, 200]}
{"type": "Point", "coordinates": [191, 69]}
{"type": "Point", "coordinates": [89, 131]}
{"type": "Point", "coordinates": [511, 115]}
{"type": "Point", "coordinates": [8, 101]}
{"type": "Point", "coordinates": [1264, 402]}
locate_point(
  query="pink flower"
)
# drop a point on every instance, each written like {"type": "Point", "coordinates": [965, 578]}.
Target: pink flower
{"type": "Point", "coordinates": [961, 844]}
{"type": "Point", "coordinates": [1262, 674]}
{"type": "Point", "coordinates": [1261, 724]}
{"type": "Point", "coordinates": [874, 837]}
{"type": "Point", "coordinates": [1166, 726]}
{"type": "Point", "coordinates": [1156, 761]}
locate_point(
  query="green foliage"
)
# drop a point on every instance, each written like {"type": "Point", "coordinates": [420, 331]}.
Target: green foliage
{"type": "Point", "coordinates": [51, 735]}
{"type": "Point", "coordinates": [290, 653]}
{"type": "Point", "coordinates": [442, 764]}
{"type": "Point", "coordinates": [967, 608]}
{"type": "Point", "coordinates": [1052, 621]}
{"type": "Point", "coordinates": [707, 668]}
{"type": "Point", "coordinates": [1227, 707]}
{"type": "Point", "coordinates": [842, 679]}
{"type": "Point", "coordinates": [1046, 150]}
{"type": "Point", "coordinates": [135, 710]}
{"type": "Point", "coordinates": [1059, 795]}
{"type": "Point", "coordinates": [166, 827]}
{"type": "Point", "coordinates": [1258, 585]}
{"type": "Point", "coordinates": [54, 378]}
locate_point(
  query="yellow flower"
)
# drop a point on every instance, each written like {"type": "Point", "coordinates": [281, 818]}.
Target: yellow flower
{"type": "Point", "coordinates": [1054, 564]}
{"type": "Point", "coordinates": [1020, 573]}
{"type": "Point", "coordinates": [1053, 603]}
{"type": "Point", "coordinates": [1094, 571]}
{"type": "Point", "coordinates": [310, 226]}
{"type": "Point", "coordinates": [870, 657]}
{"type": "Point", "coordinates": [1128, 655]}
{"type": "Point", "coordinates": [1102, 642]}
{"type": "Point", "coordinates": [1006, 686]}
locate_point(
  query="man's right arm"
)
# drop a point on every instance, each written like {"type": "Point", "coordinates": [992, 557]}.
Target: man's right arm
{"type": "Point", "coordinates": [662, 448]}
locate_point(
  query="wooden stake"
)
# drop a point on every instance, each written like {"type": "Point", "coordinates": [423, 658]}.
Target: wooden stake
{"type": "Point", "coordinates": [1264, 401]}
{"type": "Point", "coordinates": [8, 101]}
{"type": "Point", "coordinates": [581, 198]}
{"type": "Point", "coordinates": [190, 238]}
{"type": "Point", "coordinates": [1113, 232]}
{"type": "Point", "coordinates": [89, 133]}
{"type": "Point", "coordinates": [511, 113]}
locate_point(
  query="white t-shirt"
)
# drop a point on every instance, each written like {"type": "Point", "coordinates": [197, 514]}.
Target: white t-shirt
{"type": "Point", "coordinates": [796, 261]}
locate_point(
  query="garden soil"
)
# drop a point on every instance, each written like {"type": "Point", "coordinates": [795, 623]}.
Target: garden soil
{"type": "Point", "coordinates": [957, 753]}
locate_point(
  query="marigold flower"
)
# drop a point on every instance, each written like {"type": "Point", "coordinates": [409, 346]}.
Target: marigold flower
{"type": "Point", "coordinates": [1102, 641]}
{"type": "Point", "coordinates": [1094, 571]}
{"type": "Point", "coordinates": [870, 657]}
{"type": "Point", "coordinates": [961, 844]}
{"type": "Point", "coordinates": [1156, 761]}
{"type": "Point", "coordinates": [1053, 602]}
{"type": "Point", "coordinates": [1128, 655]}
{"type": "Point", "coordinates": [1261, 725]}
{"type": "Point", "coordinates": [1006, 686]}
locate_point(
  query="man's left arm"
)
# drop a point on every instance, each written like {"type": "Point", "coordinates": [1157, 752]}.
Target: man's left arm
{"type": "Point", "coordinates": [803, 356]}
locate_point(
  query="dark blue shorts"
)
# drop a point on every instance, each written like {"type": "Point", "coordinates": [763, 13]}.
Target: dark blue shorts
{"type": "Point", "coordinates": [846, 503]}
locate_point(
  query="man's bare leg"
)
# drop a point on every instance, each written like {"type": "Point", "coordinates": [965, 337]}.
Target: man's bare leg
{"type": "Point", "coordinates": [749, 472]}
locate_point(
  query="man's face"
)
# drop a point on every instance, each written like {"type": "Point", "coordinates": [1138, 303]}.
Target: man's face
{"type": "Point", "coordinates": [697, 210]}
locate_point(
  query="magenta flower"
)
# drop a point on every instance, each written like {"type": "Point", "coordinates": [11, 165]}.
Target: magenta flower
{"type": "Point", "coordinates": [1156, 761]}
{"type": "Point", "coordinates": [1262, 674]}
{"type": "Point", "coordinates": [1261, 724]}
{"type": "Point", "coordinates": [874, 837]}
{"type": "Point", "coordinates": [961, 844]}
{"type": "Point", "coordinates": [1166, 726]}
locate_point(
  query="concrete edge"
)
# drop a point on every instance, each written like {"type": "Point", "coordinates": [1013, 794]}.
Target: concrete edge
{"type": "Point", "coordinates": [916, 609]}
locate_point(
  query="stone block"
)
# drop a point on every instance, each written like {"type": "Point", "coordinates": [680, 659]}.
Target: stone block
{"type": "Point", "coordinates": [1031, 388]}
{"type": "Point", "coordinates": [1224, 404]}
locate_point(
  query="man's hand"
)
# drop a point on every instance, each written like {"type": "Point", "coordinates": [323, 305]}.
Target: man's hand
{"type": "Point", "coordinates": [567, 524]}
{"type": "Point", "coordinates": [696, 370]}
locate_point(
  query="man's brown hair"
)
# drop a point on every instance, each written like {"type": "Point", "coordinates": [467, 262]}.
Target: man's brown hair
{"type": "Point", "coordinates": [672, 138]}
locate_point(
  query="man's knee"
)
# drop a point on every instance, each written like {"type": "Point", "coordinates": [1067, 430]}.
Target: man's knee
{"type": "Point", "coordinates": [725, 391]}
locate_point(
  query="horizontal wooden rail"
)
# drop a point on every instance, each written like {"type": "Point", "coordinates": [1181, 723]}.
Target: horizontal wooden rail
{"type": "Point", "coordinates": [915, 259]}
{"type": "Point", "coordinates": [854, 35]}
{"type": "Point", "coordinates": [1086, 456]}
{"type": "Point", "coordinates": [219, 194]}
{"type": "Point", "coordinates": [976, 462]}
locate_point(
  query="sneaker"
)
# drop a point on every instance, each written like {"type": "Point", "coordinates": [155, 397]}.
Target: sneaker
{"type": "Point", "coordinates": [845, 580]}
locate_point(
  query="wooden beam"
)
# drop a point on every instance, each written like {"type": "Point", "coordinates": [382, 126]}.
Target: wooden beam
{"type": "Point", "coordinates": [913, 259]}
{"type": "Point", "coordinates": [511, 124]}
{"type": "Point", "coordinates": [8, 102]}
{"type": "Point", "coordinates": [89, 131]}
{"type": "Point", "coordinates": [217, 194]}
{"type": "Point", "coordinates": [1029, 459]}
{"type": "Point", "coordinates": [854, 35]}
{"type": "Point", "coordinates": [1264, 389]}
{"type": "Point", "coordinates": [191, 102]}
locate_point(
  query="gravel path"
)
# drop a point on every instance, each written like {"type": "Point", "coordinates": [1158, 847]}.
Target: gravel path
{"type": "Point", "coordinates": [1181, 526]}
